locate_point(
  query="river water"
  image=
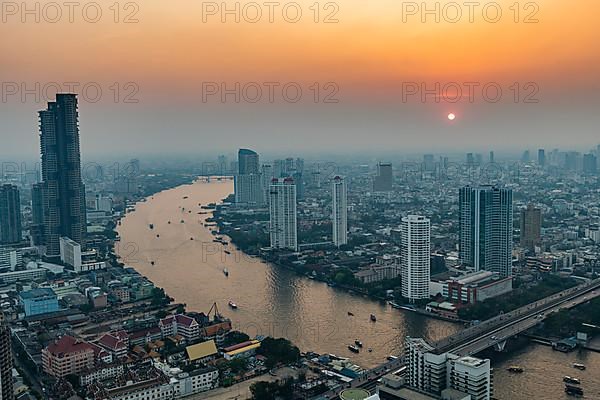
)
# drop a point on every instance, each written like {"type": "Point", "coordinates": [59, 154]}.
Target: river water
{"type": "Point", "coordinates": [275, 302]}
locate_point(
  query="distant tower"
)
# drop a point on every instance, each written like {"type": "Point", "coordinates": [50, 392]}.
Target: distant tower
{"type": "Point", "coordinates": [247, 162]}
{"type": "Point", "coordinates": [415, 254]}
{"type": "Point", "coordinates": [10, 215]}
{"type": "Point", "coordinates": [542, 157]}
{"type": "Point", "coordinates": [6, 382]}
{"type": "Point", "coordinates": [64, 192]}
{"type": "Point", "coordinates": [283, 228]}
{"type": "Point", "coordinates": [486, 225]}
{"type": "Point", "coordinates": [492, 157]}
{"type": "Point", "coordinates": [383, 182]}
{"type": "Point", "coordinates": [339, 212]}
{"type": "Point", "coordinates": [531, 227]}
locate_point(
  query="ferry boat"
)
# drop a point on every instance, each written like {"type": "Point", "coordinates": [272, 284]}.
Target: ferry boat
{"type": "Point", "coordinates": [569, 379]}
{"type": "Point", "coordinates": [573, 390]}
{"type": "Point", "coordinates": [358, 343]}
{"type": "Point", "coordinates": [579, 366]}
{"type": "Point", "coordinates": [515, 368]}
{"type": "Point", "coordinates": [232, 305]}
{"type": "Point", "coordinates": [353, 349]}
{"type": "Point", "coordinates": [226, 272]}
{"type": "Point", "coordinates": [373, 317]}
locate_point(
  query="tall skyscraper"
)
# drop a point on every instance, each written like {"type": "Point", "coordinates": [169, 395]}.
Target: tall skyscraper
{"type": "Point", "coordinates": [247, 162]}
{"type": "Point", "coordinates": [526, 156]}
{"type": "Point", "coordinates": [531, 227]}
{"type": "Point", "coordinates": [248, 185]}
{"type": "Point", "coordinates": [6, 364]}
{"type": "Point", "coordinates": [492, 157]}
{"type": "Point", "coordinates": [415, 257]}
{"type": "Point", "coordinates": [542, 157]}
{"type": "Point", "coordinates": [339, 211]}
{"type": "Point", "coordinates": [384, 179]}
{"type": "Point", "coordinates": [10, 214]}
{"type": "Point", "coordinates": [283, 227]}
{"type": "Point", "coordinates": [64, 192]}
{"type": "Point", "coordinates": [486, 225]}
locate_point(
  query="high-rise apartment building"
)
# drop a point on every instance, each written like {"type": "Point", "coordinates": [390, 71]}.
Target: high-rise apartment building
{"type": "Point", "coordinates": [415, 253]}
{"type": "Point", "coordinates": [531, 227]}
{"type": "Point", "coordinates": [248, 184]}
{"type": "Point", "coordinates": [384, 179]}
{"type": "Point", "coordinates": [63, 190]}
{"type": "Point", "coordinates": [486, 225]}
{"type": "Point", "coordinates": [437, 373]}
{"type": "Point", "coordinates": [282, 210]}
{"type": "Point", "coordinates": [6, 362]}
{"type": "Point", "coordinates": [10, 215]}
{"type": "Point", "coordinates": [339, 211]}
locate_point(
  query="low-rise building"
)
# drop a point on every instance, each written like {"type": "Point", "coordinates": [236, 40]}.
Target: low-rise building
{"type": "Point", "coordinates": [67, 356]}
{"type": "Point", "coordinates": [39, 301]}
{"type": "Point", "coordinates": [182, 325]}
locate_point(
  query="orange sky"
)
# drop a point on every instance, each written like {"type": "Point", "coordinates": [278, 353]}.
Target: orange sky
{"type": "Point", "coordinates": [172, 47]}
{"type": "Point", "coordinates": [369, 53]}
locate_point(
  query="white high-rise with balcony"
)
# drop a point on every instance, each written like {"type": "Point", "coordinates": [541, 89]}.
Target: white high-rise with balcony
{"type": "Point", "coordinates": [282, 209]}
{"type": "Point", "coordinates": [339, 211]}
{"type": "Point", "coordinates": [415, 257]}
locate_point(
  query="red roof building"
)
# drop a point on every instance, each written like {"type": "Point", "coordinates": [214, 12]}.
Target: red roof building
{"type": "Point", "coordinates": [67, 356]}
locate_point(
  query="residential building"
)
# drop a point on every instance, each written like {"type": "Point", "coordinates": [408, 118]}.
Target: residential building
{"type": "Point", "coordinates": [63, 190]}
{"type": "Point", "coordinates": [415, 259]}
{"type": "Point", "coordinates": [67, 356]}
{"type": "Point", "coordinates": [486, 225]}
{"type": "Point", "coordinates": [10, 215]}
{"type": "Point", "coordinates": [531, 227]}
{"type": "Point", "coordinates": [447, 375]}
{"type": "Point", "coordinates": [283, 228]}
{"type": "Point", "coordinates": [339, 211]}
